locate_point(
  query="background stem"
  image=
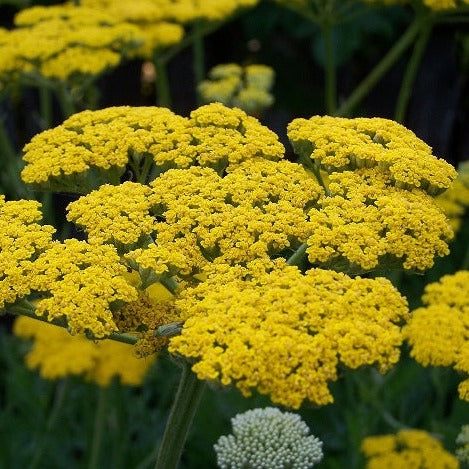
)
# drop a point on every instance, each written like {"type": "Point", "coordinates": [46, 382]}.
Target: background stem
{"type": "Point", "coordinates": [381, 68]}
{"type": "Point", "coordinates": [54, 415]}
{"type": "Point", "coordinates": [163, 95]}
{"type": "Point", "coordinates": [199, 60]}
{"type": "Point", "coordinates": [180, 418]}
{"type": "Point", "coordinates": [45, 107]}
{"type": "Point", "coordinates": [98, 429]}
{"type": "Point", "coordinates": [330, 69]}
{"type": "Point", "coordinates": [411, 71]}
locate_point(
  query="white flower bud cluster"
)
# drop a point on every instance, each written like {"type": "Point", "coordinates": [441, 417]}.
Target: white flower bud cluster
{"type": "Point", "coordinates": [268, 439]}
{"type": "Point", "coordinates": [462, 453]}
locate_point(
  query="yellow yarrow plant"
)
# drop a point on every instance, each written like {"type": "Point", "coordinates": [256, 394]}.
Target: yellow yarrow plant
{"type": "Point", "coordinates": [407, 449]}
{"type": "Point", "coordinates": [245, 87]}
{"type": "Point", "coordinates": [202, 238]}
{"type": "Point", "coordinates": [63, 44]}
{"type": "Point", "coordinates": [438, 332]}
{"type": "Point", "coordinates": [56, 354]}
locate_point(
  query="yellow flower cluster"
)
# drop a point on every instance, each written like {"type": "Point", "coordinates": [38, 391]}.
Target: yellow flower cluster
{"type": "Point", "coordinates": [367, 223]}
{"type": "Point", "coordinates": [455, 200]}
{"type": "Point", "coordinates": [82, 283]}
{"type": "Point", "coordinates": [257, 210]}
{"type": "Point", "coordinates": [337, 144]}
{"type": "Point", "coordinates": [64, 42]}
{"type": "Point", "coordinates": [153, 308]}
{"type": "Point", "coordinates": [439, 332]}
{"type": "Point", "coordinates": [21, 240]}
{"type": "Point", "coordinates": [114, 214]}
{"type": "Point", "coordinates": [156, 29]}
{"type": "Point", "coordinates": [57, 354]}
{"type": "Point", "coordinates": [245, 87]}
{"type": "Point", "coordinates": [407, 449]}
{"type": "Point", "coordinates": [93, 147]}
{"type": "Point", "coordinates": [180, 11]}
{"type": "Point", "coordinates": [271, 328]}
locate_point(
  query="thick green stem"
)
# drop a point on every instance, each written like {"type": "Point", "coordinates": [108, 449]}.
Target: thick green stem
{"type": "Point", "coordinates": [163, 95]}
{"type": "Point", "coordinates": [198, 57]}
{"type": "Point", "coordinates": [381, 68]}
{"type": "Point", "coordinates": [298, 255]}
{"type": "Point", "coordinates": [411, 71]}
{"type": "Point", "coordinates": [45, 106]}
{"type": "Point", "coordinates": [330, 69]}
{"type": "Point", "coordinates": [98, 429]}
{"type": "Point", "coordinates": [54, 415]}
{"type": "Point", "coordinates": [179, 422]}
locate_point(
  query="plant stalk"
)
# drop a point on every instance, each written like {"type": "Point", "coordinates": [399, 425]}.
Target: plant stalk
{"type": "Point", "coordinates": [24, 308]}
{"type": "Point", "coordinates": [180, 418]}
{"type": "Point", "coordinates": [330, 69]}
{"type": "Point", "coordinates": [198, 57]}
{"type": "Point", "coordinates": [364, 88]}
{"type": "Point", "coordinates": [411, 71]}
{"type": "Point", "coordinates": [163, 95]}
{"type": "Point", "coordinates": [98, 429]}
{"type": "Point", "coordinates": [65, 100]}
{"type": "Point", "coordinates": [56, 410]}
{"type": "Point", "coordinates": [45, 106]}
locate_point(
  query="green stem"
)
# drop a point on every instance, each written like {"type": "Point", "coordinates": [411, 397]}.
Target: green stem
{"type": "Point", "coordinates": [330, 69]}
{"type": "Point", "coordinates": [317, 172]}
{"type": "Point", "coordinates": [163, 96]}
{"type": "Point", "coordinates": [298, 255]}
{"type": "Point", "coordinates": [199, 60]}
{"type": "Point", "coordinates": [381, 68]}
{"type": "Point", "coordinates": [54, 415]}
{"type": "Point", "coordinates": [98, 430]}
{"type": "Point", "coordinates": [45, 106]}
{"type": "Point", "coordinates": [124, 338]}
{"type": "Point", "coordinates": [170, 283]}
{"type": "Point", "coordinates": [22, 309]}
{"type": "Point", "coordinates": [179, 422]}
{"type": "Point", "coordinates": [65, 99]}
{"type": "Point", "coordinates": [411, 71]}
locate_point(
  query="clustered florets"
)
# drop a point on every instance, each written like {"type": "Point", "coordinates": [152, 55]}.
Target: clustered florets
{"type": "Point", "coordinates": [438, 332]}
{"type": "Point", "coordinates": [268, 439]}
{"type": "Point", "coordinates": [407, 449]}
{"type": "Point", "coordinates": [212, 212]}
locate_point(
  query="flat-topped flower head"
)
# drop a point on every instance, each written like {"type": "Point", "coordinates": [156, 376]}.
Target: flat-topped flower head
{"type": "Point", "coordinates": [258, 210]}
{"type": "Point", "coordinates": [22, 239]}
{"type": "Point", "coordinates": [245, 87]}
{"type": "Point", "coordinates": [407, 449]}
{"type": "Point", "coordinates": [367, 223]}
{"type": "Point", "coordinates": [225, 136]}
{"type": "Point", "coordinates": [439, 331]}
{"type": "Point", "coordinates": [94, 147]}
{"type": "Point", "coordinates": [114, 214]}
{"type": "Point", "coordinates": [81, 283]}
{"type": "Point", "coordinates": [180, 11]}
{"type": "Point", "coordinates": [271, 328]}
{"type": "Point", "coordinates": [57, 354]}
{"type": "Point", "coordinates": [65, 43]}
{"type": "Point", "coordinates": [270, 439]}
{"type": "Point", "coordinates": [337, 144]}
